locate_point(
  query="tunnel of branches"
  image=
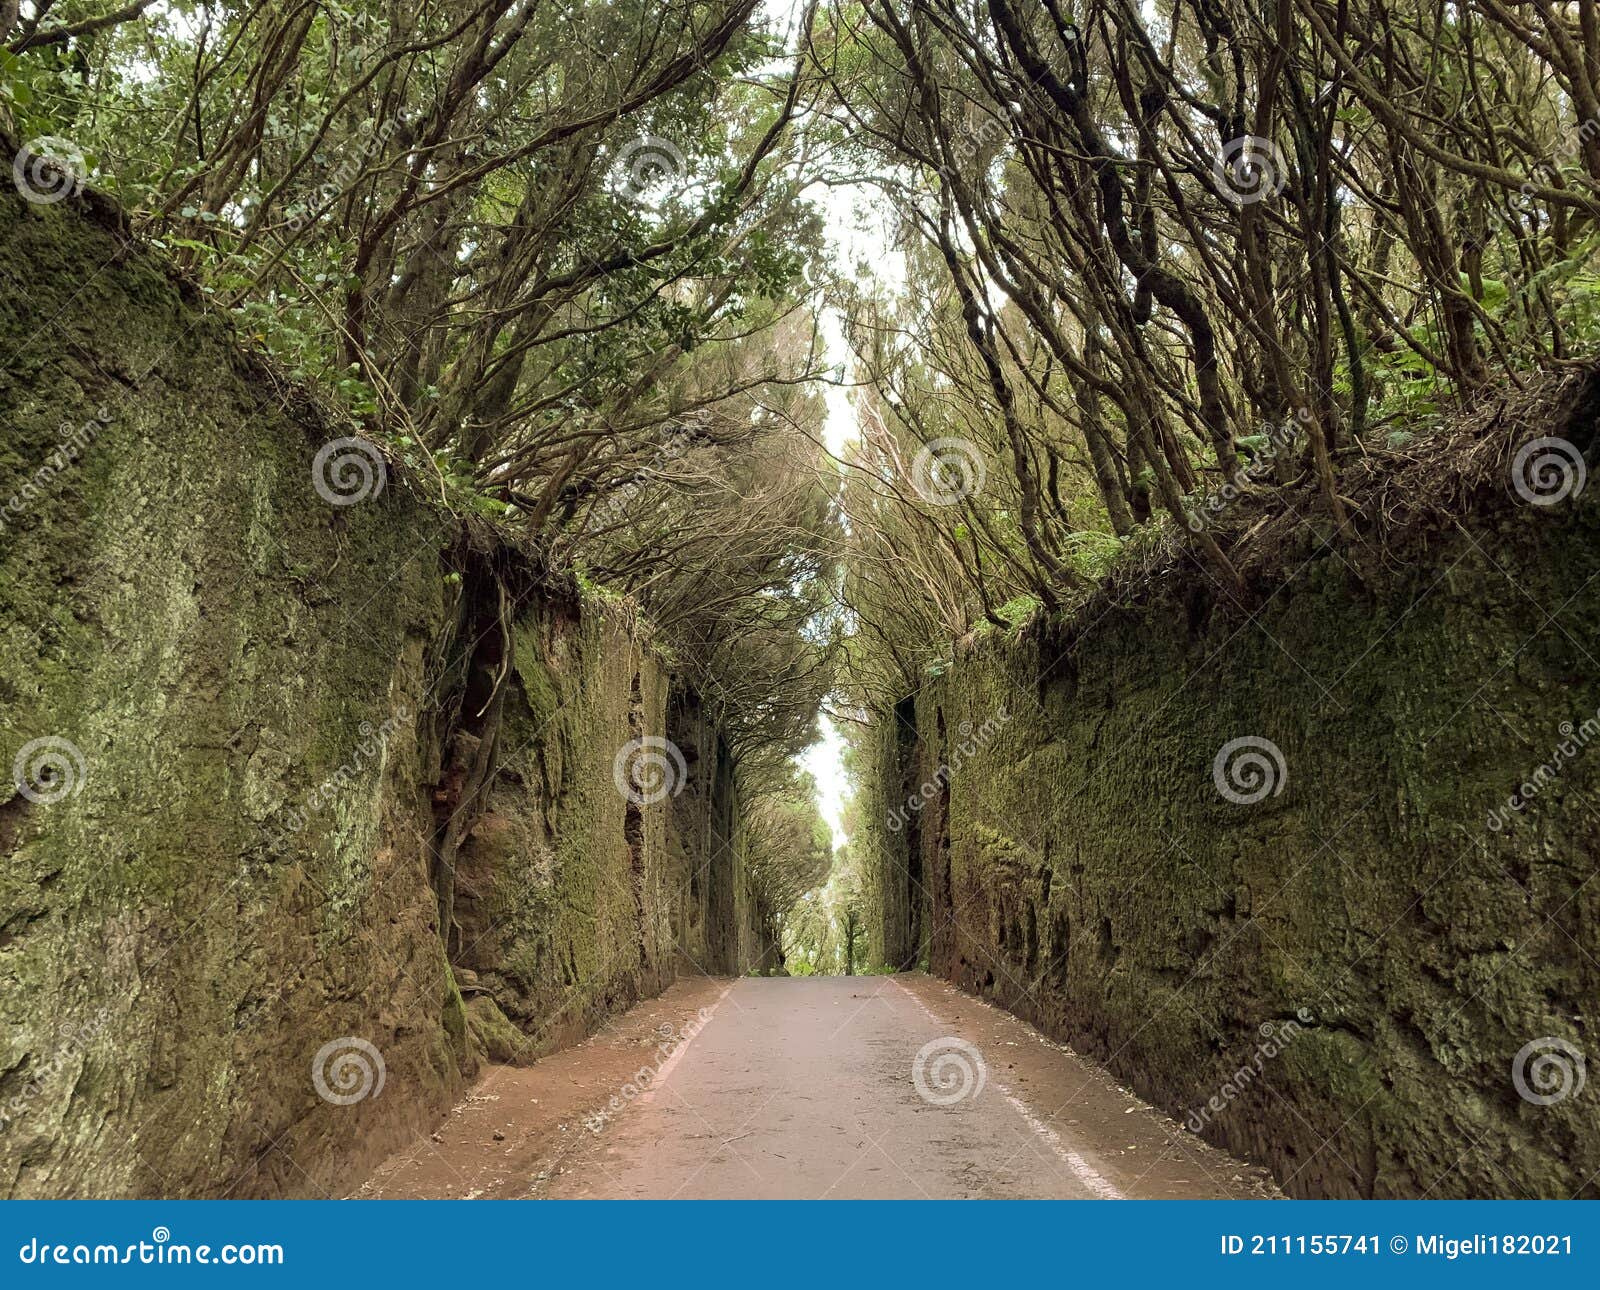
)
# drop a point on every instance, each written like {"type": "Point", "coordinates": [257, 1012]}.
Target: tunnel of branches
{"type": "Point", "coordinates": [830, 338]}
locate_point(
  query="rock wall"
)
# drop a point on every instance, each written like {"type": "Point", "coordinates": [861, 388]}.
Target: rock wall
{"type": "Point", "coordinates": [575, 898]}
{"type": "Point", "coordinates": [234, 719]}
{"type": "Point", "coordinates": [718, 925]}
{"type": "Point", "coordinates": [1354, 977]}
{"type": "Point", "coordinates": [895, 894]}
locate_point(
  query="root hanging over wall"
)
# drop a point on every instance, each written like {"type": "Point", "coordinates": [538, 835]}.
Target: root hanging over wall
{"type": "Point", "coordinates": [471, 729]}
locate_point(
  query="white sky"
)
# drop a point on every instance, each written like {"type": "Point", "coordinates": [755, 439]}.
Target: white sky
{"type": "Point", "coordinates": [852, 239]}
{"type": "Point", "coordinates": [825, 758]}
{"type": "Point", "coordinates": [857, 239]}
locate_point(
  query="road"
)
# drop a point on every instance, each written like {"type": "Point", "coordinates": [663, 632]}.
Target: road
{"type": "Point", "coordinates": [858, 1087]}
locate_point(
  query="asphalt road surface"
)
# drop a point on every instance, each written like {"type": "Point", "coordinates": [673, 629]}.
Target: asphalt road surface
{"type": "Point", "coordinates": [881, 1087]}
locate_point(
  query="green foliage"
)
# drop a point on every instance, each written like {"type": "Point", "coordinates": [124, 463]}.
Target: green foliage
{"type": "Point", "coordinates": [788, 846]}
{"type": "Point", "coordinates": [534, 256]}
{"type": "Point", "coordinates": [825, 931]}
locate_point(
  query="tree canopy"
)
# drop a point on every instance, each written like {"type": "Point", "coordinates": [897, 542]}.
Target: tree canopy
{"type": "Point", "coordinates": [574, 263]}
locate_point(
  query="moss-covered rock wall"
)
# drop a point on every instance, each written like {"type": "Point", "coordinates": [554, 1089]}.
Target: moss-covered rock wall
{"type": "Point", "coordinates": [1373, 962]}
{"type": "Point", "coordinates": [233, 708]}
